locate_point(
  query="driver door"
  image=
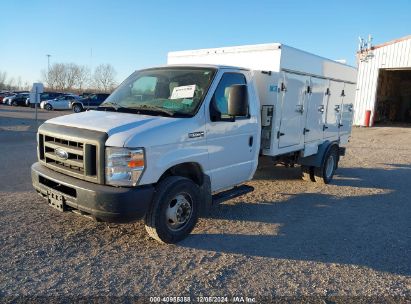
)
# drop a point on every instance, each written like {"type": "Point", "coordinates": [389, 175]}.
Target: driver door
{"type": "Point", "coordinates": [232, 144]}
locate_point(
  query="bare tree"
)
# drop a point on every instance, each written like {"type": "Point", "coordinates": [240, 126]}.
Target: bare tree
{"type": "Point", "coordinates": [3, 78]}
{"type": "Point", "coordinates": [19, 83]}
{"type": "Point", "coordinates": [82, 77]}
{"type": "Point", "coordinates": [70, 76]}
{"type": "Point", "coordinates": [104, 77]}
{"type": "Point", "coordinates": [71, 71]}
{"type": "Point", "coordinates": [10, 84]}
{"type": "Point", "coordinates": [66, 77]}
{"type": "Point", "coordinates": [59, 72]}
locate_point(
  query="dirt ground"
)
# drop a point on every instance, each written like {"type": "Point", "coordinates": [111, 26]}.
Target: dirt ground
{"type": "Point", "coordinates": [350, 240]}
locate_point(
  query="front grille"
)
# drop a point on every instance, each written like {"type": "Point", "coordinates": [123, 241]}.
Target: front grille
{"type": "Point", "coordinates": [82, 156]}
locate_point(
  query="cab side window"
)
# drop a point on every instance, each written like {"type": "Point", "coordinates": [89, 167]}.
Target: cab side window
{"type": "Point", "coordinates": [219, 102]}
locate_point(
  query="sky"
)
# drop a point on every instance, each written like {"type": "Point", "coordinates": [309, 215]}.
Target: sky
{"type": "Point", "coordinates": [131, 35]}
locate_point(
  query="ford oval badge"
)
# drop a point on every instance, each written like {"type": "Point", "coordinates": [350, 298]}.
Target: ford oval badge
{"type": "Point", "coordinates": [61, 153]}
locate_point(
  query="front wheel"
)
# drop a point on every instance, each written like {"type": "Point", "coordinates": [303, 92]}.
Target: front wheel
{"type": "Point", "coordinates": [325, 173]}
{"type": "Point", "coordinates": [77, 108]}
{"type": "Point", "coordinates": [174, 210]}
{"type": "Point", "coordinates": [48, 107]}
{"type": "Point", "coordinates": [14, 103]}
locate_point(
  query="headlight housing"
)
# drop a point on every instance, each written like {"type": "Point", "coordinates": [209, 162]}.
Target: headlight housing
{"type": "Point", "coordinates": [124, 166]}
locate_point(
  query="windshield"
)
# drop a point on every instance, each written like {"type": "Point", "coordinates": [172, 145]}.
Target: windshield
{"type": "Point", "coordinates": [170, 91]}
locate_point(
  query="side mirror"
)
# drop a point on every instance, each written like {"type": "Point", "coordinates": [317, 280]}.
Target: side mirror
{"type": "Point", "coordinates": [238, 100]}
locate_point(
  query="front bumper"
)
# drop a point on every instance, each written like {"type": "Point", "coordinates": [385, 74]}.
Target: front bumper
{"type": "Point", "coordinates": [102, 202]}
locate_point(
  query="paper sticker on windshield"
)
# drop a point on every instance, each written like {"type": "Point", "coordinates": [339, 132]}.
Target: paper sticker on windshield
{"type": "Point", "coordinates": [183, 92]}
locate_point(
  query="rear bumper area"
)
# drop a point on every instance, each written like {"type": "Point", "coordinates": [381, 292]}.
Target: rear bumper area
{"type": "Point", "coordinates": [102, 202]}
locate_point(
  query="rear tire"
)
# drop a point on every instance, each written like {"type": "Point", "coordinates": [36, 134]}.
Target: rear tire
{"type": "Point", "coordinates": [48, 107]}
{"type": "Point", "coordinates": [307, 173]}
{"type": "Point", "coordinates": [325, 173]}
{"type": "Point", "coordinates": [174, 210]}
{"type": "Point", "coordinates": [77, 108]}
{"type": "Point", "coordinates": [14, 103]}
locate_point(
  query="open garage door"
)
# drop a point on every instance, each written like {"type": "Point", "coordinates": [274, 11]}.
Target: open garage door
{"type": "Point", "coordinates": [393, 100]}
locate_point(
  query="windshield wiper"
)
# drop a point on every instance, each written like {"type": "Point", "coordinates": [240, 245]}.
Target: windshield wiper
{"type": "Point", "coordinates": [154, 109]}
{"type": "Point", "coordinates": [112, 104]}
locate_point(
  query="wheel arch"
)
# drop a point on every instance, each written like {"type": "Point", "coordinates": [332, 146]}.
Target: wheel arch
{"type": "Point", "coordinates": [77, 103]}
{"type": "Point", "coordinates": [317, 159]}
{"type": "Point", "coordinates": [194, 172]}
{"type": "Point", "coordinates": [190, 170]}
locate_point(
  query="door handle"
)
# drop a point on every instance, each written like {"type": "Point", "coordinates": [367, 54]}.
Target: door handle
{"type": "Point", "coordinates": [279, 134]}
{"type": "Point", "coordinates": [299, 109]}
{"type": "Point", "coordinates": [251, 141]}
{"type": "Point", "coordinates": [321, 109]}
{"type": "Point", "coordinates": [306, 131]}
{"type": "Point", "coordinates": [325, 127]}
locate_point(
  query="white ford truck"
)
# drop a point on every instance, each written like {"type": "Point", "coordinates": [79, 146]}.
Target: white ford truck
{"type": "Point", "coordinates": [170, 141]}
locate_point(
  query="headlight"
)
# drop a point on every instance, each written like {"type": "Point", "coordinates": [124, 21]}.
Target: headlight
{"type": "Point", "coordinates": [124, 166]}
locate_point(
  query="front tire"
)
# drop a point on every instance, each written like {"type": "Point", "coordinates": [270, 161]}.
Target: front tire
{"type": "Point", "coordinates": [14, 103]}
{"type": "Point", "coordinates": [77, 108]}
{"type": "Point", "coordinates": [325, 173]}
{"type": "Point", "coordinates": [48, 107]}
{"type": "Point", "coordinates": [174, 210]}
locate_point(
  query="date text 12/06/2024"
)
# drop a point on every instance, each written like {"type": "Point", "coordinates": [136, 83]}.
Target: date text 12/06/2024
{"type": "Point", "coordinates": [203, 299]}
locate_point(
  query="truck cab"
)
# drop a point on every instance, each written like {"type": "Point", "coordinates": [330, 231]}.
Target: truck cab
{"type": "Point", "coordinates": [158, 147]}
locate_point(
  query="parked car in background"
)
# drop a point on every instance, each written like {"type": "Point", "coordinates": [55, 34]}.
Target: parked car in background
{"type": "Point", "coordinates": [3, 95]}
{"type": "Point", "coordinates": [7, 98]}
{"type": "Point", "coordinates": [18, 99]}
{"type": "Point", "coordinates": [62, 102]}
{"type": "Point", "coordinates": [45, 96]}
{"type": "Point", "coordinates": [90, 102]}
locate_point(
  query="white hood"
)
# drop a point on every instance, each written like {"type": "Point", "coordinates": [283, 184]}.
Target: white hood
{"type": "Point", "coordinates": [108, 122]}
{"type": "Point", "coordinates": [126, 129]}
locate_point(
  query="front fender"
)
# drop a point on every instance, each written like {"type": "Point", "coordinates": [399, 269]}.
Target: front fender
{"type": "Point", "coordinates": [161, 158]}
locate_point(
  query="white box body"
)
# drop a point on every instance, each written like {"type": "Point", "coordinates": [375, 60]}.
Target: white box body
{"type": "Point", "coordinates": [309, 97]}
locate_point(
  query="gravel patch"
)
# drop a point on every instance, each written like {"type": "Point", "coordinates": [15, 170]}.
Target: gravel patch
{"type": "Point", "coordinates": [347, 241]}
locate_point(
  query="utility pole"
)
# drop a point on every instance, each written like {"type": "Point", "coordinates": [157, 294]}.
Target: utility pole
{"type": "Point", "coordinates": [48, 63]}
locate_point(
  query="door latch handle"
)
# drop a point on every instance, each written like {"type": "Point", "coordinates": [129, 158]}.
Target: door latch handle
{"type": "Point", "coordinates": [306, 131]}
{"type": "Point", "coordinates": [299, 109]}
{"type": "Point", "coordinates": [325, 127]}
{"type": "Point", "coordinates": [279, 134]}
{"type": "Point", "coordinates": [337, 108]}
{"type": "Point", "coordinates": [321, 109]}
{"type": "Point", "coordinates": [251, 141]}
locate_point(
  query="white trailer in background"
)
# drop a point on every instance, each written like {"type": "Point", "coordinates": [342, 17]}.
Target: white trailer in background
{"type": "Point", "coordinates": [305, 99]}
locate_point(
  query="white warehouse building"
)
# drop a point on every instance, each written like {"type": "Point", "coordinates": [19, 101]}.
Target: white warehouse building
{"type": "Point", "coordinates": [384, 83]}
